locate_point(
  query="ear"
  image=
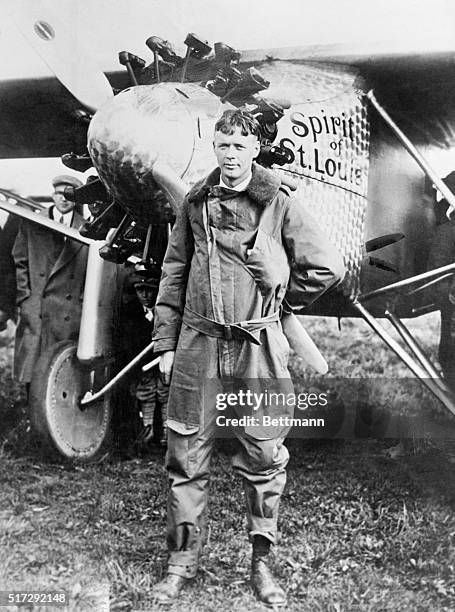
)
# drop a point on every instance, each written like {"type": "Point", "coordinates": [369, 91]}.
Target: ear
{"type": "Point", "coordinates": [257, 149]}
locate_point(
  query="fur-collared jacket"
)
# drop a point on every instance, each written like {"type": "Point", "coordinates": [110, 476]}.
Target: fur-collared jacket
{"type": "Point", "coordinates": [232, 258]}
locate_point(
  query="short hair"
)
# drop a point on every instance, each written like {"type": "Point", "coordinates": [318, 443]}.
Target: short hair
{"type": "Point", "coordinates": [232, 119]}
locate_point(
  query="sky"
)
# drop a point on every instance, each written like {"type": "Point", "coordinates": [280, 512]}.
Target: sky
{"type": "Point", "coordinates": [99, 29]}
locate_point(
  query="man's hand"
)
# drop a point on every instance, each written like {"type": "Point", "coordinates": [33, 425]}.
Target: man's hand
{"type": "Point", "coordinates": [166, 363]}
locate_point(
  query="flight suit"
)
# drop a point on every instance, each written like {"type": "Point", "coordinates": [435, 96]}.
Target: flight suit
{"type": "Point", "coordinates": [231, 260]}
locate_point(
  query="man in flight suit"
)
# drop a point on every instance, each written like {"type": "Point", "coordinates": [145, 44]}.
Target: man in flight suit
{"type": "Point", "coordinates": [239, 246]}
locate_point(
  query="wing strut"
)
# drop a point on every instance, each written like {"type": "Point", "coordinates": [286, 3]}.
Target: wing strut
{"type": "Point", "coordinates": [419, 158]}
{"type": "Point", "coordinates": [418, 363]}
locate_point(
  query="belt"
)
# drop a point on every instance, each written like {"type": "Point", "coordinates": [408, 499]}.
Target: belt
{"type": "Point", "coordinates": [243, 330]}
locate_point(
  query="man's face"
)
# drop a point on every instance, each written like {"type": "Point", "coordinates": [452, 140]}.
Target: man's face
{"type": "Point", "coordinates": [61, 203]}
{"type": "Point", "coordinates": [235, 154]}
{"type": "Point", "coordinates": [146, 294]}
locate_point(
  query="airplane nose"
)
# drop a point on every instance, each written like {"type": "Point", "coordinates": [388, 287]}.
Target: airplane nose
{"type": "Point", "coordinates": [141, 124]}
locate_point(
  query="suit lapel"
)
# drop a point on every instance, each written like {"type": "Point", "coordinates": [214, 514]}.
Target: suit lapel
{"type": "Point", "coordinates": [46, 240]}
{"type": "Point", "coordinates": [70, 249]}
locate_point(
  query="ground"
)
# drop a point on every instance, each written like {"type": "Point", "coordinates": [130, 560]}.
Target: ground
{"type": "Point", "coordinates": [361, 528]}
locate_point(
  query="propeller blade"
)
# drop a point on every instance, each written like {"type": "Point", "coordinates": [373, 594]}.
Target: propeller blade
{"type": "Point", "coordinates": [300, 341]}
{"type": "Point", "coordinates": [63, 54]}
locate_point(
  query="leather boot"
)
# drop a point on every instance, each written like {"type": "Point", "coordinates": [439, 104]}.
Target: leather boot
{"type": "Point", "coordinates": [168, 590]}
{"type": "Point", "coordinates": [265, 587]}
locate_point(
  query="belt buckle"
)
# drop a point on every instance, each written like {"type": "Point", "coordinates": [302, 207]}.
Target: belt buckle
{"type": "Point", "coordinates": [227, 332]}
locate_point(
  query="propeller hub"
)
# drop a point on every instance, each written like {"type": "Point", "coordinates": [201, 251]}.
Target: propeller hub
{"type": "Point", "coordinates": [172, 122]}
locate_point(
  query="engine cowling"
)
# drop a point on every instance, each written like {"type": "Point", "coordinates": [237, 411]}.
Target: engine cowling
{"type": "Point", "coordinates": [172, 122]}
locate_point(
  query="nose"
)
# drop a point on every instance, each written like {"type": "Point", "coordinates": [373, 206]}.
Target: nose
{"type": "Point", "coordinates": [230, 153]}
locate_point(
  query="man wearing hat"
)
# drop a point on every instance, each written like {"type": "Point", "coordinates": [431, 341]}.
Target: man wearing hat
{"type": "Point", "coordinates": [149, 390]}
{"type": "Point", "coordinates": [50, 273]}
{"type": "Point", "coordinates": [442, 253]}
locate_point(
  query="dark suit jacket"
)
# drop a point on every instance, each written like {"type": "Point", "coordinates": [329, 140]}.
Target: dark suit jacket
{"type": "Point", "coordinates": [50, 274]}
{"type": "Point", "coordinates": [7, 268]}
{"type": "Point", "coordinates": [442, 253]}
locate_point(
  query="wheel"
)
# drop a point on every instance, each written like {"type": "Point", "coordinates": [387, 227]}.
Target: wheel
{"type": "Point", "coordinates": [58, 384]}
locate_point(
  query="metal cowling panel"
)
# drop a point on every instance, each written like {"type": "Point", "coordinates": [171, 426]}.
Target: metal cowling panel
{"type": "Point", "coordinates": [327, 133]}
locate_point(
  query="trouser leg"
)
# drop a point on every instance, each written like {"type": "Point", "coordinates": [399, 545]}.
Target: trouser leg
{"type": "Point", "coordinates": [447, 344]}
{"type": "Point", "coordinates": [261, 464]}
{"type": "Point", "coordinates": [187, 461]}
{"type": "Point", "coordinates": [163, 396]}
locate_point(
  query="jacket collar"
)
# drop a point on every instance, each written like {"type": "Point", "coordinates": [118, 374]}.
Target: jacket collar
{"type": "Point", "coordinates": [76, 223]}
{"type": "Point", "coordinates": [262, 188]}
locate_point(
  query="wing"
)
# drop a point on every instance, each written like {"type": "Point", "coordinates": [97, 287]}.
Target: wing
{"type": "Point", "coordinates": [38, 119]}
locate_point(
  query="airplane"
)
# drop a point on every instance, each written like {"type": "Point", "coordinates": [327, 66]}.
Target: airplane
{"type": "Point", "coordinates": [349, 128]}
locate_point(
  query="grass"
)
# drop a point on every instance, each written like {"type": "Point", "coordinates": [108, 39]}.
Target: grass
{"type": "Point", "coordinates": [358, 530]}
